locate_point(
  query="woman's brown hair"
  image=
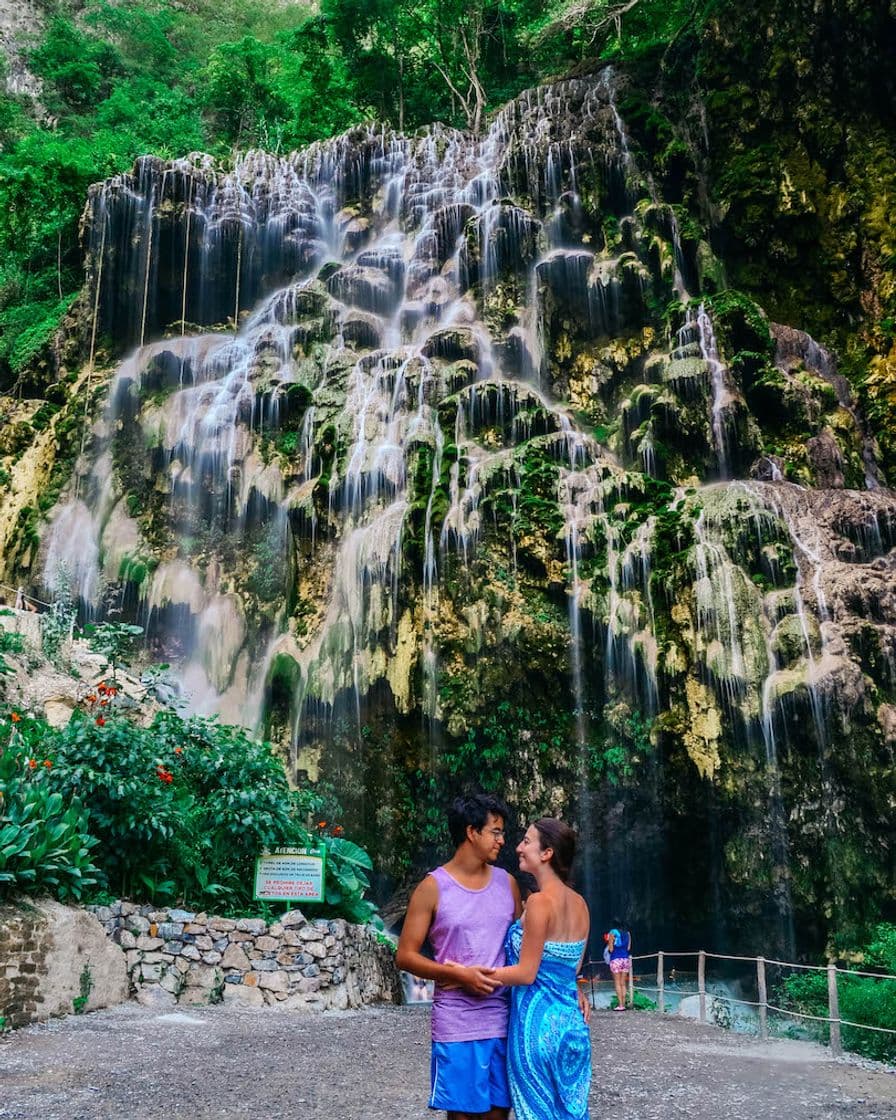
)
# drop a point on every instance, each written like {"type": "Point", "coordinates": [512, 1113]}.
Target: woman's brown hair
{"type": "Point", "coordinates": [561, 839]}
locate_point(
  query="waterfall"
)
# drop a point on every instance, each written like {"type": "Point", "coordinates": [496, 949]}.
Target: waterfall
{"type": "Point", "coordinates": [402, 414]}
{"type": "Point", "coordinates": [391, 291]}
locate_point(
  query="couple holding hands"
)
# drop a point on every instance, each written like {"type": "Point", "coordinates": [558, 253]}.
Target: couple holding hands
{"type": "Point", "coordinates": [509, 1022]}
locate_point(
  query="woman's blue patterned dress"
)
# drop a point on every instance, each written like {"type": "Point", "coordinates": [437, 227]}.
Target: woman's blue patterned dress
{"type": "Point", "coordinates": [548, 1041]}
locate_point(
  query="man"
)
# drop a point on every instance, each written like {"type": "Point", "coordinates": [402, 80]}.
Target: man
{"type": "Point", "coordinates": [463, 909]}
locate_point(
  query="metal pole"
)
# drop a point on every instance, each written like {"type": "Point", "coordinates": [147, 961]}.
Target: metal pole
{"type": "Point", "coordinates": [660, 983]}
{"type": "Point", "coordinates": [701, 983]}
{"type": "Point", "coordinates": [763, 998]}
{"type": "Point", "coordinates": [631, 985]}
{"type": "Point", "coordinates": [834, 1011]}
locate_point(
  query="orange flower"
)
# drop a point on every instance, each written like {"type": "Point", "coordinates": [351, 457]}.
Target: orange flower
{"type": "Point", "coordinates": [338, 830]}
{"type": "Point", "coordinates": [111, 691]}
{"type": "Point", "coordinates": [321, 824]}
{"type": "Point", "coordinates": [15, 717]}
{"type": "Point", "coordinates": [100, 722]}
{"type": "Point", "coordinates": [32, 763]}
{"type": "Point", "coordinates": [91, 697]}
{"type": "Point", "coordinates": [178, 750]}
{"type": "Point", "coordinates": [103, 703]}
{"type": "Point", "coordinates": [47, 763]}
{"type": "Point", "coordinates": [101, 687]}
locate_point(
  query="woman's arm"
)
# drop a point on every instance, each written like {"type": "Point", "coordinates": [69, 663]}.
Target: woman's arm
{"type": "Point", "coordinates": [535, 931]}
{"type": "Point", "coordinates": [584, 1001]}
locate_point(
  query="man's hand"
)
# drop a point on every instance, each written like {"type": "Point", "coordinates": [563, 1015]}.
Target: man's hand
{"type": "Point", "coordinates": [475, 979]}
{"type": "Point", "coordinates": [584, 1003]}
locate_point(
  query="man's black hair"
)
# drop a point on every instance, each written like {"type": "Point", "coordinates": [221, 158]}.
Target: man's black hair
{"type": "Point", "coordinates": [475, 810]}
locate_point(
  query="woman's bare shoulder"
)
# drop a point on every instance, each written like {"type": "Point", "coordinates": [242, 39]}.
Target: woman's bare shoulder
{"type": "Point", "coordinates": [538, 903]}
{"type": "Point", "coordinates": [580, 912]}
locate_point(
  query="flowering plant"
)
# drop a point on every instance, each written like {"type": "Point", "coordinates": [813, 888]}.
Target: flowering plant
{"type": "Point", "coordinates": [45, 844]}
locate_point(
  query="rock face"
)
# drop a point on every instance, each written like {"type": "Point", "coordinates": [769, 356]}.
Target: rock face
{"type": "Point", "coordinates": [55, 960]}
{"type": "Point", "coordinates": [442, 460]}
{"type": "Point", "coordinates": [20, 22]}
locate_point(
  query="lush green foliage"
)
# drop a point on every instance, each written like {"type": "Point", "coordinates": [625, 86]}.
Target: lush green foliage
{"type": "Point", "coordinates": [153, 76]}
{"type": "Point", "coordinates": [179, 810]}
{"type": "Point", "coordinates": [493, 750]}
{"type": "Point", "coordinates": [45, 846]}
{"type": "Point", "coordinates": [119, 81]}
{"type": "Point", "coordinates": [114, 641]}
{"type": "Point", "coordinates": [863, 999]}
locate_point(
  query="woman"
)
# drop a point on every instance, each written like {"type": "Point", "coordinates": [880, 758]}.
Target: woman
{"type": "Point", "coordinates": [548, 1042]}
{"type": "Point", "coordinates": [619, 943]}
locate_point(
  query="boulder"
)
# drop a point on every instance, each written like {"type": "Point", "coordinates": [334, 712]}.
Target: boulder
{"type": "Point", "coordinates": [79, 956]}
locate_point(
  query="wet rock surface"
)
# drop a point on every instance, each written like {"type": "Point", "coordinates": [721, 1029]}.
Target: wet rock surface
{"type": "Point", "coordinates": [373, 1065]}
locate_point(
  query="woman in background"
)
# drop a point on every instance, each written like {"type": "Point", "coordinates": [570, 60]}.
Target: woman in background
{"type": "Point", "coordinates": [619, 943]}
{"type": "Point", "coordinates": [548, 1041]}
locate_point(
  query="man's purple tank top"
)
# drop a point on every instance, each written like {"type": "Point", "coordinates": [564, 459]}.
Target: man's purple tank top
{"type": "Point", "coordinates": [469, 927]}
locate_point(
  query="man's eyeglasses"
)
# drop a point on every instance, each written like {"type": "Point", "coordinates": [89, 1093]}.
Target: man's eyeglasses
{"type": "Point", "coordinates": [498, 833]}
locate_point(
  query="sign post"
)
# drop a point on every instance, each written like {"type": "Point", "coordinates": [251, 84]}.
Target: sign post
{"type": "Point", "coordinates": [291, 875]}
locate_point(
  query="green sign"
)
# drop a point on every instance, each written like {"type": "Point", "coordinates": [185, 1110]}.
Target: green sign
{"type": "Point", "coordinates": [290, 875]}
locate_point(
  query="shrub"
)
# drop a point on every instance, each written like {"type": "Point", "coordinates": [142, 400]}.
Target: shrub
{"type": "Point", "coordinates": [114, 641]}
{"type": "Point", "coordinates": [11, 642]}
{"type": "Point", "coordinates": [45, 846]}
{"type": "Point", "coordinates": [181, 809]}
{"type": "Point", "coordinates": [862, 999]}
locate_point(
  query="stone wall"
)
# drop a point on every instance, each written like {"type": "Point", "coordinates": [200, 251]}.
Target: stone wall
{"type": "Point", "coordinates": [23, 944]}
{"type": "Point", "coordinates": [177, 956]}
{"type": "Point", "coordinates": [54, 960]}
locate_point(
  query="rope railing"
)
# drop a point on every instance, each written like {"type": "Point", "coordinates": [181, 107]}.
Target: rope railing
{"type": "Point", "coordinates": [26, 597]}
{"type": "Point", "coordinates": [762, 1004]}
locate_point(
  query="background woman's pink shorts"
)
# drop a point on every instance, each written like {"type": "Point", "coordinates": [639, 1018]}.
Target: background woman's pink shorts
{"type": "Point", "coordinates": [621, 964]}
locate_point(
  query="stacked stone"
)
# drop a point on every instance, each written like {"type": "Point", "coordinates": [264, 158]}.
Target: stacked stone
{"type": "Point", "coordinates": [24, 940]}
{"type": "Point", "coordinates": [178, 956]}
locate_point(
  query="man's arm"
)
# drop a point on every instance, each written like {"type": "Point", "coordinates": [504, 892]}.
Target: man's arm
{"type": "Point", "coordinates": [517, 898]}
{"type": "Point", "coordinates": [421, 911]}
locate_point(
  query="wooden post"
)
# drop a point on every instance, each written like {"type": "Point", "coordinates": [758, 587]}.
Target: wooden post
{"type": "Point", "coordinates": [763, 998]}
{"type": "Point", "coordinates": [660, 982]}
{"type": "Point", "coordinates": [834, 1010]}
{"type": "Point", "coordinates": [701, 983]}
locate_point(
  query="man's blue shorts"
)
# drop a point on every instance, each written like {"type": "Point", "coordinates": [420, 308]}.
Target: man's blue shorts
{"type": "Point", "coordinates": [469, 1076]}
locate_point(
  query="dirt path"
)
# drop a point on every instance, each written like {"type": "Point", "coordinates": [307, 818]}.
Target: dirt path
{"type": "Point", "coordinates": [133, 1064]}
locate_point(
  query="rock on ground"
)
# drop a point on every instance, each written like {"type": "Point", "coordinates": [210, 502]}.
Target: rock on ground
{"type": "Point", "coordinates": [231, 1063]}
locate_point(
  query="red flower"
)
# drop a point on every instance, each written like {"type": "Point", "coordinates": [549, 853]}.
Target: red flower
{"type": "Point", "coordinates": [103, 703]}
{"type": "Point", "coordinates": [32, 763]}
{"type": "Point", "coordinates": [15, 717]}
{"type": "Point", "coordinates": [100, 722]}
{"type": "Point", "coordinates": [102, 687]}
{"type": "Point", "coordinates": [164, 775]}
{"type": "Point", "coordinates": [111, 691]}
{"type": "Point", "coordinates": [90, 697]}
{"type": "Point", "coordinates": [47, 763]}
{"type": "Point", "coordinates": [321, 824]}
{"type": "Point", "coordinates": [338, 830]}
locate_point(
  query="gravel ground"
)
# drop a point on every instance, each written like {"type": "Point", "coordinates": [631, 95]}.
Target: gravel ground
{"type": "Point", "coordinates": [130, 1063]}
